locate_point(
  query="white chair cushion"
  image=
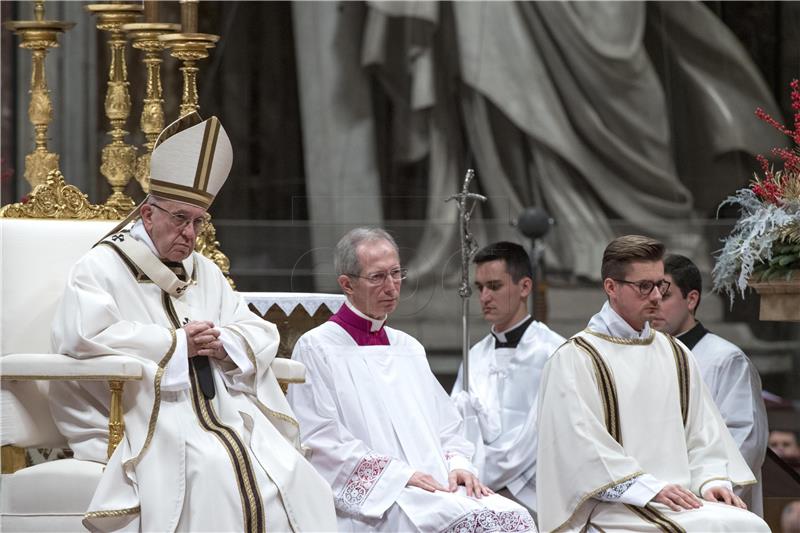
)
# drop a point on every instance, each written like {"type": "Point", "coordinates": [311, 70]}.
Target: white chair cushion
{"type": "Point", "coordinates": [62, 487]}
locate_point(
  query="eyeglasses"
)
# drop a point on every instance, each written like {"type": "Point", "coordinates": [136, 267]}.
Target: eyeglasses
{"type": "Point", "coordinates": [181, 221]}
{"type": "Point", "coordinates": [379, 278]}
{"type": "Point", "coordinates": [646, 286]}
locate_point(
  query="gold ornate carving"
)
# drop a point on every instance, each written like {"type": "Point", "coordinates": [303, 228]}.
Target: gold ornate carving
{"type": "Point", "coordinates": [116, 425]}
{"type": "Point", "coordinates": [13, 458]}
{"type": "Point", "coordinates": [39, 36]}
{"type": "Point", "coordinates": [118, 158]}
{"type": "Point", "coordinates": [208, 245]}
{"type": "Point", "coordinates": [55, 199]}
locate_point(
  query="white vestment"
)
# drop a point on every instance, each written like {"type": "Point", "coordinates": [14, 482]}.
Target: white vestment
{"type": "Point", "coordinates": [372, 416]}
{"type": "Point", "coordinates": [506, 382]}
{"type": "Point", "coordinates": [735, 386]}
{"type": "Point", "coordinates": [613, 410]}
{"type": "Point", "coordinates": [186, 462]}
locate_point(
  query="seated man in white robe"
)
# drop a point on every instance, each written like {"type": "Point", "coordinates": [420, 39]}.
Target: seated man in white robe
{"type": "Point", "coordinates": [210, 442]}
{"type": "Point", "coordinates": [731, 378]}
{"type": "Point", "coordinates": [630, 437]}
{"type": "Point", "coordinates": [381, 429]}
{"type": "Point", "coordinates": [505, 369]}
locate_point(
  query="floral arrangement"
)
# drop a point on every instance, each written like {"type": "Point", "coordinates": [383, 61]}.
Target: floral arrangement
{"type": "Point", "coordinates": [765, 242]}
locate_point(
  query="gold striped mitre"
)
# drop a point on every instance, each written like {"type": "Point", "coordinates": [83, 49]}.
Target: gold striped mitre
{"type": "Point", "coordinates": [191, 160]}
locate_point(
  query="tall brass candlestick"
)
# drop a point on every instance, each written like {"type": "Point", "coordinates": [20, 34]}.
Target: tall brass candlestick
{"type": "Point", "coordinates": [38, 36]}
{"type": "Point", "coordinates": [189, 47]}
{"type": "Point", "coordinates": [118, 158]}
{"type": "Point", "coordinates": [144, 36]}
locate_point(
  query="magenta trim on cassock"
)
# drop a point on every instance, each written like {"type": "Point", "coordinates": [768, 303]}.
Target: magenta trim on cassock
{"type": "Point", "coordinates": [359, 328]}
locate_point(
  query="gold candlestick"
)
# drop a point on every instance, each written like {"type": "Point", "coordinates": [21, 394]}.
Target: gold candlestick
{"type": "Point", "coordinates": [144, 36]}
{"type": "Point", "coordinates": [39, 36]}
{"type": "Point", "coordinates": [189, 47]}
{"type": "Point", "coordinates": [119, 158]}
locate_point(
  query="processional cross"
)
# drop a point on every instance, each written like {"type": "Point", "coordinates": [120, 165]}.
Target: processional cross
{"type": "Point", "coordinates": [466, 202]}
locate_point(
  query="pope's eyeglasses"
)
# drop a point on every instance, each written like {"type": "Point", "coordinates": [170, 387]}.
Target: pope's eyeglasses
{"type": "Point", "coordinates": [181, 221]}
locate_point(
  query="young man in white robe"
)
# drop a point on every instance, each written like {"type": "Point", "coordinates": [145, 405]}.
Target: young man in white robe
{"type": "Point", "coordinates": [210, 442]}
{"type": "Point", "coordinates": [730, 376]}
{"type": "Point", "coordinates": [630, 439]}
{"type": "Point", "coordinates": [380, 428]}
{"type": "Point", "coordinates": [505, 369]}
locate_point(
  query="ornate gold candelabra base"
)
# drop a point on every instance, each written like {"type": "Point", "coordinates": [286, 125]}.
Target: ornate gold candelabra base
{"type": "Point", "coordinates": [189, 48]}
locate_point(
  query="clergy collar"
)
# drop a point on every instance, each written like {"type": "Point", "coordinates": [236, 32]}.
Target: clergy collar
{"type": "Point", "coordinates": [608, 322]}
{"type": "Point", "coordinates": [374, 324]}
{"type": "Point", "coordinates": [510, 338]}
{"type": "Point", "coordinates": [692, 337]}
{"type": "Point", "coordinates": [140, 234]}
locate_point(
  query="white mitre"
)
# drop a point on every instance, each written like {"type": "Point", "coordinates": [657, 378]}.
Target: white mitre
{"type": "Point", "coordinates": [190, 162]}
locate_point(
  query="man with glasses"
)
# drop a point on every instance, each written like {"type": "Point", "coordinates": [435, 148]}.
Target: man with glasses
{"type": "Point", "coordinates": [210, 442]}
{"type": "Point", "coordinates": [630, 438]}
{"type": "Point", "coordinates": [730, 376]}
{"type": "Point", "coordinates": [380, 428]}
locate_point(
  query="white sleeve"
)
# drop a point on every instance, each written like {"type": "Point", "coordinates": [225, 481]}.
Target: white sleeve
{"type": "Point", "coordinates": [176, 373]}
{"type": "Point", "coordinates": [738, 397]}
{"type": "Point", "coordinates": [636, 491]}
{"type": "Point", "coordinates": [235, 348]}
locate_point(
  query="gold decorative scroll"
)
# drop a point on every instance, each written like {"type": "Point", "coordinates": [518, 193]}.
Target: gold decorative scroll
{"type": "Point", "coordinates": [55, 199]}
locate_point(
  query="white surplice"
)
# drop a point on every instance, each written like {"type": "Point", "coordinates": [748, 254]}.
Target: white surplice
{"type": "Point", "coordinates": [185, 463]}
{"type": "Point", "coordinates": [616, 406]}
{"type": "Point", "coordinates": [372, 416]}
{"type": "Point", "coordinates": [735, 386]}
{"type": "Point", "coordinates": [506, 381]}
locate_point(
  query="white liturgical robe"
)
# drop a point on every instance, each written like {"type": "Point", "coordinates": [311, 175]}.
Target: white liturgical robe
{"type": "Point", "coordinates": [187, 462]}
{"type": "Point", "coordinates": [735, 386]}
{"type": "Point", "coordinates": [506, 383]}
{"type": "Point", "coordinates": [372, 416]}
{"type": "Point", "coordinates": [616, 408]}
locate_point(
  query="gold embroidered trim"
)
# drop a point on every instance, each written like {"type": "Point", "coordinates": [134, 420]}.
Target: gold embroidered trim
{"type": "Point", "coordinates": [151, 426]}
{"type": "Point", "coordinates": [649, 514]}
{"type": "Point", "coordinates": [137, 272]}
{"type": "Point", "coordinates": [682, 366]}
{"type": "Point", "coordinates": [87, 377]}
{"type": "Point", "coordinates": [251, 355]}
{"type": "Point", "coordinates": [252, 507]}
{"type": "Point", "coordinates": [621, 340]}
{"type": "Point", "coordinates": [608, 391]}
{"type": "Point", "coordinates": [594, 493]}
{"type": "Point", "coordinates": [113, 514]}
{"type": "Point", "coordinates": [719, 478]}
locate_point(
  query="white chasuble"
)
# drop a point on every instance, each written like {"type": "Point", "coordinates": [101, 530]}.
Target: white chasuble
{"type": "Point", "coordinates": [186, 462]}
{"type": "Point", "coordinates": [506, 383]}
{"type": "Point", "coordinates": [612, 409]}
{"type": "Point", "coordinates": [372, 416]}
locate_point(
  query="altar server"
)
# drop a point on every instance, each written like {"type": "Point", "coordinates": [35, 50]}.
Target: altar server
{"type": "Point", "coordinates": [505, 369]}
{"type": "Point", "coordinates": [631, 439]}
